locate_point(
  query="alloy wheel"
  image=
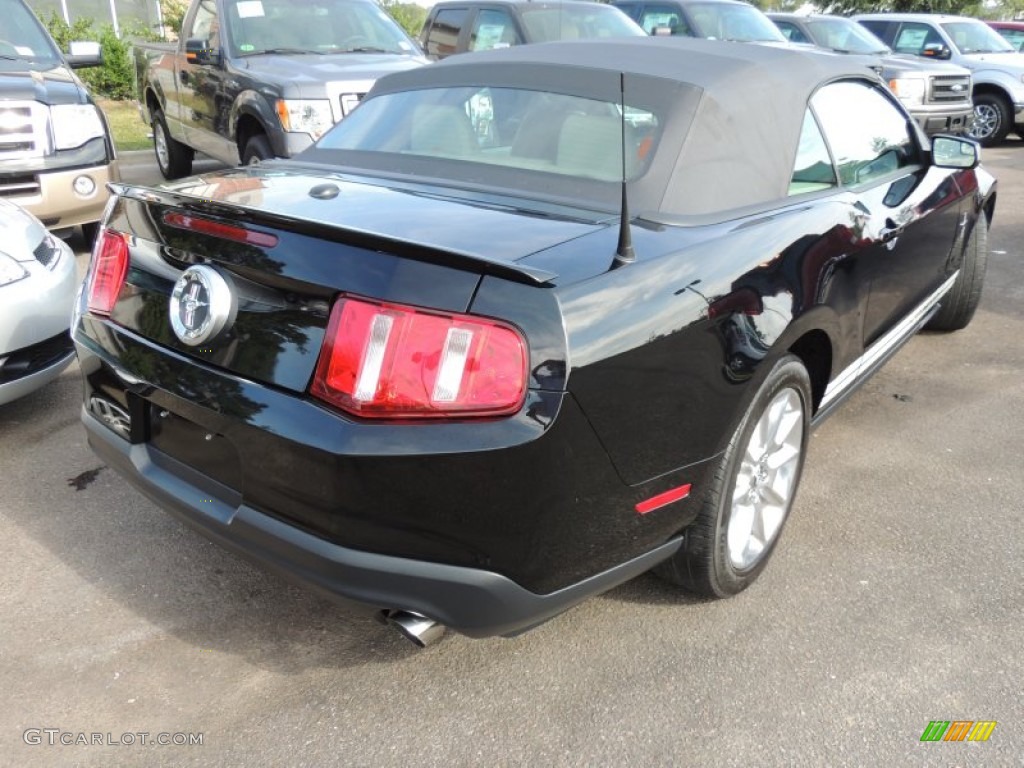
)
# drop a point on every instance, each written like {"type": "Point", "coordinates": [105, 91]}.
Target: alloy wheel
{"type": "Point", "coordinates": [766, 480]}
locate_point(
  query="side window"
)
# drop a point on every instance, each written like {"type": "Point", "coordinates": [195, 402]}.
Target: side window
{"type": "Point", "coordinates": [664, 17]}
{"type": "Point", "coordinates": [868, 134]}
{"type": "Point", "coordinates": [1015, 36]}
{"type": "Point", "coordinates": [443, 36]}
{"type": "Point", "coordinates": [913, 37]}
{"type": "Point", "coordinates": [813, 169]}
{"type": "Point", "coordinates": [205, 25]}
{"type": "Point", "coordinates": [792, 32]}
{"type": "Point", "coordinates": [883, 30]}
{"type": "Point", "coordinates": [493, 29]}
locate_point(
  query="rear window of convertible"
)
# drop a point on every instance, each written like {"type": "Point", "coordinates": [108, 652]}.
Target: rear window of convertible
{"type": "Point", "coordinates": [537, 134]}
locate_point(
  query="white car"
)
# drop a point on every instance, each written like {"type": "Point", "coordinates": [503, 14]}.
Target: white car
{"type": "Point", "coordinates": [38, 283]}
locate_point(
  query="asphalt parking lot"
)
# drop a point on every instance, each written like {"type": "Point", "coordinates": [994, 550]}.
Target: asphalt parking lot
{"type": "Point", "coordinates": [894, 599]}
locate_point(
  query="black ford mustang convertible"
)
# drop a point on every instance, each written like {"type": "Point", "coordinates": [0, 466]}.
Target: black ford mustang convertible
{"type": "Point", "coordinates": [527, 323]}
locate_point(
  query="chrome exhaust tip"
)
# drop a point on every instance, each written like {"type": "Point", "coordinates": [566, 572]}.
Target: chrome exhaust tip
{"type": "Point", "coordinates": [418, 629]}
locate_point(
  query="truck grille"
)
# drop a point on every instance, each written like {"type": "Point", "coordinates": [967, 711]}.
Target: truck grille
{"type": "Point", "coordinates": [24, 131]}
{"type": "Point", "coordinates": [951, 89]}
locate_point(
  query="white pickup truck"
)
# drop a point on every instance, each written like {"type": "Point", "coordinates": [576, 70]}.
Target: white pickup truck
{"type": "Point", "coordinates": [996, 68]}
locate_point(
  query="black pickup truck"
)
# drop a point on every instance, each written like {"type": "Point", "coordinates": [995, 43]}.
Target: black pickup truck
{"type": "Point", "coordinates": [254, 79]}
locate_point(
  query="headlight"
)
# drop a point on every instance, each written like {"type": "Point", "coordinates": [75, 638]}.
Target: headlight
{"type": "Point", "coordinates": [75, 124]}
{"type": "Point", "coordinates": [909, 90]}
{"type": "Point", "coordinates": [312, 116]}
{"type": "Point", "coordinates": [10, 270]}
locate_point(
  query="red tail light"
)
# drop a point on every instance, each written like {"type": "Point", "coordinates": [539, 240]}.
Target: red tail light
{"type": "Point", "coordinates": [110, 257]}
{"type": "Point", "coordinates": [390, 361]}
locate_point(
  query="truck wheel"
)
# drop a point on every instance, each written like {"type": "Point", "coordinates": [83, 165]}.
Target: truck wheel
{"type": "Point", "coordinates": [992, 119]}
{"type": "Point", "coordinates": [172, 157]}
{"type": "Point", "coordinates": [744, 510]}
{"type": "Point", "coordinates": [257, 149]}
{"type": "Point", "coordinates": [959, 304]}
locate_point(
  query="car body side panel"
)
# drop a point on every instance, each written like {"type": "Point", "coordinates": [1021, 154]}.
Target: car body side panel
{"type": "Point", "coordinates": [663, 353]}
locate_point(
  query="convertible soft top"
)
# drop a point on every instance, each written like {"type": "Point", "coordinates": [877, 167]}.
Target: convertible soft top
{"type": "Point", "coordinates": [737, 114]}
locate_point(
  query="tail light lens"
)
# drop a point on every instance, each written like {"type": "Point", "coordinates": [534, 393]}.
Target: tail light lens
{"type": "Point", "coordinates": [110, 265]}
{"type": "Point", "coordinates": [390, 361]}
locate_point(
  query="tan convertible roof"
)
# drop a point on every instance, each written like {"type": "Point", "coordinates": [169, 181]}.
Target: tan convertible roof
{"type": "Point", "coordinates": [740, 123]}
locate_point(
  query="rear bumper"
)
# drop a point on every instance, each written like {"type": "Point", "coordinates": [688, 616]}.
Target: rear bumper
{"type": "Point", "coordinates": [475, 602]}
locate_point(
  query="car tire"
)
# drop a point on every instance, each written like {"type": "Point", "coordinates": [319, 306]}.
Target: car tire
{"type": "Point", "coordinates": [958, 306]}
{"type": "Point", "coordinates": [173, 158]}
{"type": "Point", "coordinates": [257, 149]}
{"type": "Point", "coordinates": [753, 488]}
{"type": "Point", "coordinates": [992, 119]}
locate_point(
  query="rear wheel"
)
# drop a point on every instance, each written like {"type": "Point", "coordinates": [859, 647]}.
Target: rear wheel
{"type": "Point", "coordinates": [992, 119]}
{"type": "Point", "coordinates": [744, 511]}
{"type": "Point", "coordinates": [959, 304]}
{"type": "Point", "coordinates": [257, 149]}
{"type": "Point", "coordinates": [172, 157]}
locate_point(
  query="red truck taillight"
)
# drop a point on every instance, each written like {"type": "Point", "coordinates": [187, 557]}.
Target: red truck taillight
{"type": "Point", "coordinates": [110, 257]}
{"type": "Point", "coordinates": [391, 361]}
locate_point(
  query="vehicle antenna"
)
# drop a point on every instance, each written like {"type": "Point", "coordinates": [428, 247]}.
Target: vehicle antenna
{"type": "Point", "coordinates": [624, 252]}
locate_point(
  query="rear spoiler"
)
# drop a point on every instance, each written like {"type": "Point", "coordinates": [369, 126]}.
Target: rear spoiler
{"type": "Point", "coordinates": [473, 262]}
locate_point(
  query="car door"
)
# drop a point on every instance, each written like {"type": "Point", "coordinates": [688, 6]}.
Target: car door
{"type": "Point", "coordinates": [442, 33]}
{"type": "Point", "coordinates": [792, 31]}
{"type": "Point", "coordinates": [201, 83]}
{"type": "Point", "coordinates": [664, 18]}
{"type": "Point", "coordinates": [910, 208]}
{"type": "Point", "coordinates": [493, 27]}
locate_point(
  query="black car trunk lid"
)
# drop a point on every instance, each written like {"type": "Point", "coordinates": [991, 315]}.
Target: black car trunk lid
{"type": "Point", "coordinates": [285, 272]}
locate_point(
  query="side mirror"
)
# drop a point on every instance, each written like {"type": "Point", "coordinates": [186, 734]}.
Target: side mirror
{"type": "Point", "coordinates": [936, 51]}
{"type": "Point", "coordinates": [954, 152]}
{"type": "Point", "coordinates": [82, 53]}
{"type": "Point", "coordinates": [200, 52]}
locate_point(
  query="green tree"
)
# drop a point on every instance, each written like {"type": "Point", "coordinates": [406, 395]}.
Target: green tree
{"type": "Point", "coordinates": [173, 12]}
{"type": "Point", "coordinates": [114, 79]}
{"type": "Point", "coordinates": [408, 15]}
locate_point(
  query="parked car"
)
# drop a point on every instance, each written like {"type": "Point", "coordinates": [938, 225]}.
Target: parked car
{"type": "Point", "coordinates": [471, 378]}
{"type": "Point", "coordinates": [38, 281]}
{"type": "Point", "coordinates": [254, 79]}
{"type": "Point", "coordinates": [1012, 31]}
{"type": "Point", "coordinates": [711, 19]}
{"type": "Point", "coordinates": [458, 26]}
{"type": "Point", "coordinates": [937, 94]}
{"type": "Point", "coordinates": [996, 68]}
{"type": "Point", "coordinates": [56, 154]}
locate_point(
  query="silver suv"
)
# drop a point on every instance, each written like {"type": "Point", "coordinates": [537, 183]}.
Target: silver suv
{"type": "Point", "coordinates": [998, 70]}
{"type": "Point", "coordinates": [56, 155]}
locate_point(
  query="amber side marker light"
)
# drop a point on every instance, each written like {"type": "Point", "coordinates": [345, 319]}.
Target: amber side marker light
{"type": "Point", "coordinates": [217, 229]}
{"type": "Point", "coordinates": [384, 360]}
{"type": "Point", "coordinates": [110, 266]}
